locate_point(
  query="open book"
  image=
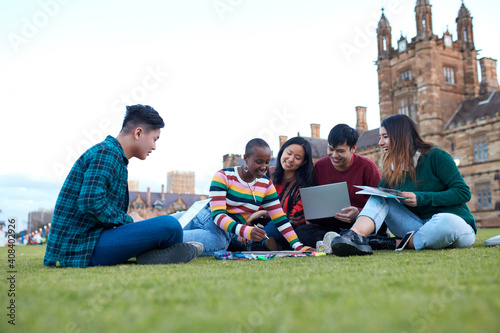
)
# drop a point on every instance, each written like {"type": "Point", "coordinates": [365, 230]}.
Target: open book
{"type": "Point", "coordinates": [380, 191]}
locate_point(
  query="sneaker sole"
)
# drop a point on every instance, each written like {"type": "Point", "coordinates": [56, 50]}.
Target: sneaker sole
{"type": "Point", "coordinates": [493, 241]}
{"type": "Point", "coordinates": [345, 248]}
{"type": "Point", "coordinates": [199, 246]}
{"type": "Point", "coordinates": [327, 241]}
{"type": "Point", "coordinates": [175, 254]}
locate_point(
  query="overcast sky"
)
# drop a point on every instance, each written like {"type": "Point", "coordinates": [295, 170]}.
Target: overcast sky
{"type": "Point", "coordinates": [219, 73]}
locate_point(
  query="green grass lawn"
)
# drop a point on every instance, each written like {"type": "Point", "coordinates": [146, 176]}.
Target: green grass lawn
{"type": "Point", "coordinates": [454, 290]}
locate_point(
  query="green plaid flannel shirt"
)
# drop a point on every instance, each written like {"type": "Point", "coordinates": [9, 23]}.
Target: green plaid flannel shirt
{"type": "Point", "coordinates": [94, 197]}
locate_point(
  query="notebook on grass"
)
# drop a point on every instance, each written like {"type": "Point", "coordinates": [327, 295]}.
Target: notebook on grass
{"type": "Point", "coordinates": [324, 201]}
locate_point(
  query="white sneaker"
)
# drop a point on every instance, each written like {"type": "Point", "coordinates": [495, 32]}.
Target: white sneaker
{"type": "Point", "coordinates": [327, 241]}
{"type": "Point", "coordinates": [493, 241]}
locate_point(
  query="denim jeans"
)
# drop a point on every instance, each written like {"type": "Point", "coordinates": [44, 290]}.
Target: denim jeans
{"type": "Point", "coordinates": [119, 244]}
{"type": "Point", "coordinates": [204, 230]}
{"type": "Point", "coordinates": [440, 231]}
{"type": "Point", "coordinates": [236, 245]}
{"type": "Point", "coordinates": [272, 231]}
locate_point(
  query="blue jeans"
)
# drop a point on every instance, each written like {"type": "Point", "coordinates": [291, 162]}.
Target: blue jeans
{"type": "Point", "coordinates": [204, 230]}
{"type": "Point", "coordinates": [119, 244]}
{"type": "Point", "coordinates": [272, 231]}
{"type": "Point", "coordinates": [236, 245]}
{"type": "Point", "coordinates": [440, 231]}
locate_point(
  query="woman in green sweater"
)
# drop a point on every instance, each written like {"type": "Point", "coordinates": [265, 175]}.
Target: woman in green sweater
{"type": "Point", "coordinates": [433, 214]}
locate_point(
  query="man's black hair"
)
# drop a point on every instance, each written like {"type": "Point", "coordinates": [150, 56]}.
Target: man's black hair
{"type": "Point", "coordinates": [341, 134]}
{"type": "Point", "coordinates": [141, 115]}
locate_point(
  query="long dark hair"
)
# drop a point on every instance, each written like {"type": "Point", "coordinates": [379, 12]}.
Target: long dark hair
{"type": "Point", "coordinates": [304, 174]}
{"type": "Point", "coordinates": [404, 143]}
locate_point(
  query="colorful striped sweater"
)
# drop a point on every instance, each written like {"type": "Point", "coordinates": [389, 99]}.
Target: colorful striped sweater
{"type": "Point", "coordinates": [233, 202]}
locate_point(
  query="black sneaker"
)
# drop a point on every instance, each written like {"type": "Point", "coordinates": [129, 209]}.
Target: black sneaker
{"type": "Point", "coordinates": [175, 254]}
{"type": "Point", "coordinates": [378, 242]}
{"type": "Point", "coordinates": [350, 243]}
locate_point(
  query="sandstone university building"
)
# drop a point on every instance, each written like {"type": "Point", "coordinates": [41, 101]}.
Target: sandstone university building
{"type": "Point", "coordinates": [434, 80]}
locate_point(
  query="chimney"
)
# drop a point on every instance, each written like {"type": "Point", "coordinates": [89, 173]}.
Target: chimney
{"type": "Point", "coordinates": [283, 139]}
{"type": "Point", "coordinates": [315, 130]}
{"type": "Point", "coordinates": [230, 160]}
{"type": "Point", "coordinates": [162, 192]}
{"type": "Point", "coordinates": [148, 202]}
{"type": "Point", "coordinates": [489, 81]}
{"type": "Point", "coordinates": [361, 124]}
{"type": "Point", "coordinates": [226, 161]}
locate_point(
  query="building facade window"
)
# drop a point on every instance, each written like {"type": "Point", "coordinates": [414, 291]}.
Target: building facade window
{"type": "Point", "coordinates": [484, 196]}
{"type": "Point", "coordinates": [158, 205]}
{"type": "Point", "coordinates": [480, 149]}
{"type": "Point", "coordinates": [449, 75]}
{"type": "Point", "coordinates": [406, 75]}
{"type": "Point", "coordinates": [406, 107]}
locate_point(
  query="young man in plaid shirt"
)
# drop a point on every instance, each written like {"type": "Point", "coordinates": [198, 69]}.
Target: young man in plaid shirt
{"type": "Point", "coordinates": [91, 227]}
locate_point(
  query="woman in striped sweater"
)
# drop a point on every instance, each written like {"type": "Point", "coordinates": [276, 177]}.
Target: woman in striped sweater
{"type": "Point", "coordinates": [236, 193]}
{"type": "Point", "coordinates": [294, 170]}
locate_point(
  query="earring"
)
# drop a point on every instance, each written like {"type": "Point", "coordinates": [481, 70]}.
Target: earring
{"type": "Point", "coordinates": [245, 168]}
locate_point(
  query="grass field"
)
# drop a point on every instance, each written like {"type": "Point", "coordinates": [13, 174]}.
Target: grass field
{"type": "Point", "coordinates": [454, 290]}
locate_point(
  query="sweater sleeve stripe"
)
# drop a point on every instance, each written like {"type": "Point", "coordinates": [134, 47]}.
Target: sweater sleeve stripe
{"type": "Point", "coordinates": [225, 222]}
{"type": "Point", "coordinates": [272, 205]}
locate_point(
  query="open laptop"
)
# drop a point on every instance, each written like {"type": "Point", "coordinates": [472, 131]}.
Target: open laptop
{"type": "Point", "coordinates": [324, 201]}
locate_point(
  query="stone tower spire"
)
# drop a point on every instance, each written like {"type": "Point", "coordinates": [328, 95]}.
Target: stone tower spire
{"type": "Point", "coordinates": [466, 42]}
{"type": "Point", "coordinates": [384, 66]}
{"type": "Point", "coordinates": [423, 16]}
{"type": "Point", "coordinates": [464, 28]}
{"type": "Point", "coordinates": [384, 37]}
